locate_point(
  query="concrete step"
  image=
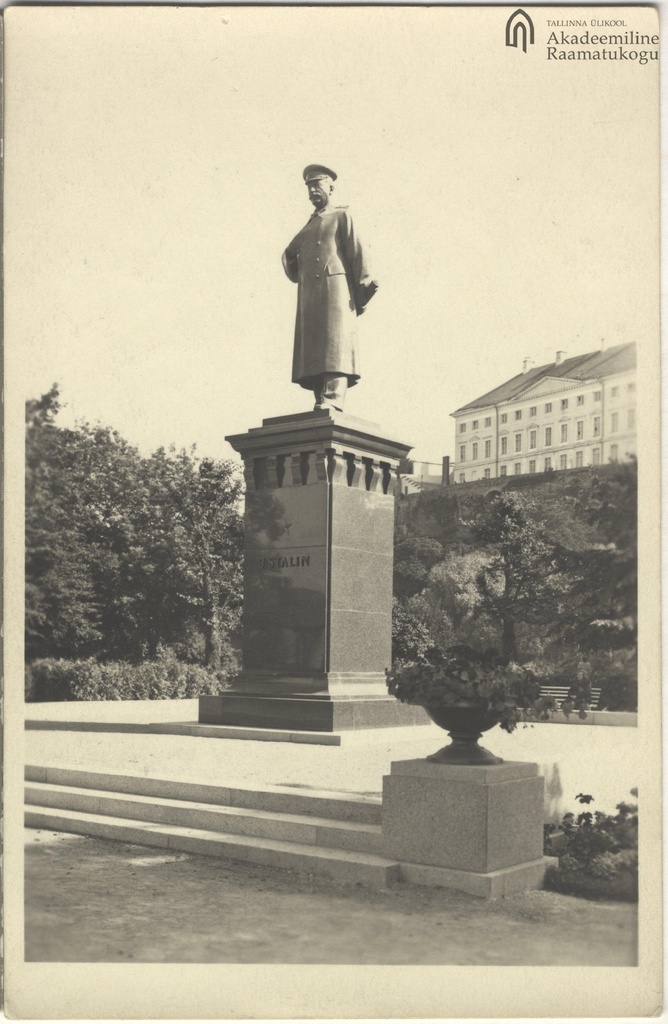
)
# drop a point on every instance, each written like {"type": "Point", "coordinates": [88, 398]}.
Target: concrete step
{"type": "Point", "coordinates": [249, 821]}
{"type": "Point", "coordinates": [342, 807]}
{"type": "Point", "coordinates": [222, 732]}
{"type": "Point", "coordinates": [343, 865]}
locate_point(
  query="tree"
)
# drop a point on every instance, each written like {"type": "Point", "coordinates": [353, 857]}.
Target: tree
{"type": "Point", "coordinates": [413, 558]}
{"type": "Point", "coordinates": [454, 582]}
{"type": "Point", "coordinates": [61, 612]}
{"type": "Point", "coordinates": [521, 580]}
{"type": "Point", "coordinates": [602, 614]}
{"type": "Point", "coordinates": [198, 541]}
{"type": "Point", "coordinates": [125, 553]}
{"type": "Point", "coordinates": [547, 574]}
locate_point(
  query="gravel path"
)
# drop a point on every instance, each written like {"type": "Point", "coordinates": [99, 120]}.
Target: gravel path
{"type": "Point", "coordinates": [89, 900]}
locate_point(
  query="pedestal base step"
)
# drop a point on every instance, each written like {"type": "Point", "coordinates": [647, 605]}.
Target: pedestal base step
{"type": "Point", "coordinates": [344, 865]}
{"type": "Point", "coordinates": [223, 732]}
{"type": "Point", "coordinates": [314, 803]}
{"type": "Point", "coordinates": [241, 732]}
{"type": "Point", "coordinates": [319, 832]}
{"type": "Point", "coordinates": [518, 878]}
{"type": "Point", "coordinates": [249, 821]}
{"type": "Point", "coordinates": [304, 713]}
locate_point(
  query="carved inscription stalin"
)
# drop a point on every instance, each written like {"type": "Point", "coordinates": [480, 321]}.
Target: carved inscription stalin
{"type": "Point", "coordinates": [289, 562]}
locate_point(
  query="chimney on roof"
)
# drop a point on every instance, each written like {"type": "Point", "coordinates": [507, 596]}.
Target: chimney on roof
{"type": "Point", "coordinates": [560, 356]}
{"type": "Point", "coordinates": [527, 364]}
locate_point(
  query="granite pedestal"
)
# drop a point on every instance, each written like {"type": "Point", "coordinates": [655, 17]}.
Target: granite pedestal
{"type": "Point", "coordinates": [317, 619]}
{"type": "Point", "coordinates": [475, 828]}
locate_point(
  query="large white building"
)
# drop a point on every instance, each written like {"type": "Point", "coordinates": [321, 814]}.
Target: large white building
{"type": "Point", "coordinates": [570, 413]}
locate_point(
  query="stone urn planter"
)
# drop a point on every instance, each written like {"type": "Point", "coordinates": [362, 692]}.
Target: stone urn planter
{"type": "Point", "coordinates": [465, 722]}
{"type": "Point", "coordinates": [466, 693]}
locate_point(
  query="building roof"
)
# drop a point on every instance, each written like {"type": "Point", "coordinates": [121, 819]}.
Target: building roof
{"type": "Point", "coordinates": [603, 363]}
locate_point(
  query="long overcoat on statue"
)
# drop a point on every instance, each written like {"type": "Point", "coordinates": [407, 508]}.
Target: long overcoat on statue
{"type": "Point", "coordinates": [326, 260]}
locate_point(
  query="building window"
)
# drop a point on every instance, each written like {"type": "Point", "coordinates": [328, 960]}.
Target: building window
{"type": "Point", "coordinates": [581, 399]}
{"type": "Point", "coordinates": [504, 445]}
{"type": "Point", "coordinates": [578, 459]}
{"type": "Point", "coordinates": [474, 451]}
{"type": "Point", "coordinates": [564, 403]}
{"type": "Point", "coordinates": [518, 442]}
{"type": "Point", "coordinates": [461, 478]}
{"type": "Point", "coordinates": [462, 428]}
{"type": "Point", "coordinates": [548, 407]}
{"type": "Point", "coordinates": [504, 417]}
{"type": "Point", "coordinates": [564, 431]}
{"type": "Point", "coordinates": [462, 453]}
{"type": "Point", "coordinates": [488, 449]}
{"type": "Point", "coordinates": [548, 464]}
{"type": "Point", "coordinates": [596, 457]}
{"type": "Point", "coordinates": [597, 426]}
{"type": "Point", "coordinates": [533, 438]}
{"type": "Point", "coordinates": [580, 429]}
{"type": "Point", "coordinates": [632, 419]}
{"type": "Point", "coordinates": [518, 414]}
{"type": "Point", "coordinates": [518, 468]}
{"type": "Point", "coordinates": [532, 466]}
{"type": "Point", "coordinates": [533, 410]}
{"type": "Point", "coordinates": [488, 421]}
{"type": "Point", "coordinates": [548, 436]}
{"type": "Point", "coordinates": [487, 474]}
{"type": "Point", "coordinates": [614, 424]}
{"type": "Point", "coordinates": [613, 452]}
{"type": "Point", "coordinates": [562, 462]}
{"type": "Point", "coordinates": [597, 396]}
{"type": "Point", "coordinates": [474, 425]}
{"type": "Point", "coordinates": [503, 470]}
{"type": "Point", "coordinates": [614, 392]}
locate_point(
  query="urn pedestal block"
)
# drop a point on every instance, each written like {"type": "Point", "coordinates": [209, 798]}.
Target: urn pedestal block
{"type": "Point", "coordinates": [317, 618]}
{"type": "Point", "coordinates": [475, 828]}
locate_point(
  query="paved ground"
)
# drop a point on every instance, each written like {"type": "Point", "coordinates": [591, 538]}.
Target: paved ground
{"type": "Point", "coordinates": [113, 711]}
{"type": "Point", "coordinates": [93, 900]}
{"type": "Point", "coordinates": [357, 766]}
{"type": "Point", "coordinates": [573, 759]}
{"type": "Point", "coordinates": [90, 900]}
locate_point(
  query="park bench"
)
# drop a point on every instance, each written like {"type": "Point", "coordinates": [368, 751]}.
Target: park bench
{"type": "Point", "coordinates": [560, 693]}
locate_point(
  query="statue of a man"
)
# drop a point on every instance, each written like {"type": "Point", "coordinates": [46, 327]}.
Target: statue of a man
{"type": "Point", "coordinates": [326, 261]}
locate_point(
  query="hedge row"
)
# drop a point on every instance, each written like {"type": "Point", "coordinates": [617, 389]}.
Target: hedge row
{"type": "Point", "coordinates": [166, 678]}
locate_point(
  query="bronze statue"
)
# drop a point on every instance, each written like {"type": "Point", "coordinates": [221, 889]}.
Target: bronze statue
{"type": "Point", "coordinates": [326, 260]}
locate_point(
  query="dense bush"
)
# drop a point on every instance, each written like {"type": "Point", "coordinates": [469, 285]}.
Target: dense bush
{"type": "Point", "coordinates": [165, 678]}
{"type": "Point", "coordinates": [598, 853]}
{"type": "Point", "coordinates": [411, 640]}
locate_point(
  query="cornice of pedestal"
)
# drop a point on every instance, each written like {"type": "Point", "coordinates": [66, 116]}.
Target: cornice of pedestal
{"type": "Point", "coordinates": [318, 430]}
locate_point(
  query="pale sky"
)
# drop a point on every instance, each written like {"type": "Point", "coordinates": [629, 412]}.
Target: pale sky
{"type": "Point", "coordinates": [154, 160]}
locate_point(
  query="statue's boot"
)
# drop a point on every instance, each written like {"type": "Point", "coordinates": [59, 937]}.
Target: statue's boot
{"type": "Point", "coordinates": [330, 392]}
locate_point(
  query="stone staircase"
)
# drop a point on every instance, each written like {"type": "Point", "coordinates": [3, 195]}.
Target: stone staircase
{"type": "Point", "coordinates": [338, 835]}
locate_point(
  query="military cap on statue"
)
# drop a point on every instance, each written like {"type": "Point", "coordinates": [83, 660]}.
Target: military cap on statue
{"type": "Point", "coordinates": [315, 171]}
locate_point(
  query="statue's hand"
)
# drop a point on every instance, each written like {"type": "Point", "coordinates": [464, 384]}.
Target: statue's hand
{"type": "Point", "coordinates": [366, 293]}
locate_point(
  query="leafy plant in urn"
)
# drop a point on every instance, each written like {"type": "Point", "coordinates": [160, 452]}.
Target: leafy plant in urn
{"type": "Point", "coordinates": [467, 693]}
